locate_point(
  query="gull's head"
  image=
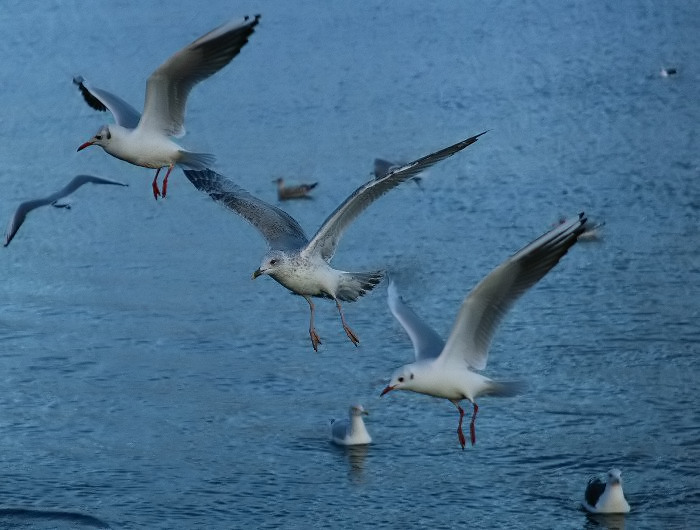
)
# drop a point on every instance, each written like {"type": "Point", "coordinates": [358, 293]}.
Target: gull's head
{"type": "Point", "coordinates": [615, 476]}
{"type": "Point", "coordinates": [402, 379]}
{"type": "Point", "coordinates": [101, 138]}
{"type": "Point", "coordinates": [358, 410]}
{"type": "Point", "coordinates": [273, 262]}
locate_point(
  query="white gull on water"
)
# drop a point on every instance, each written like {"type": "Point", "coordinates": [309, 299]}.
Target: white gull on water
{"type": "Point", "coordinates": [606, 497]}
{"type": "Point", "coordinates": [143, 140]}
{"type": "Point", "coordinates": [446, 370]}
{"type": "Point", "coordinates": [300, 264]}
{"type": "Point", "coordinates": [24, 208]}
{"type": "Point", "coordinates": [352, 430]}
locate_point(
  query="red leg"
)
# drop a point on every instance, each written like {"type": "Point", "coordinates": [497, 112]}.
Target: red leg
{"type": "Point", "coordinates": [460, 434]}
{"type": "Point", "coordinates": [165, 180]}
{"type": "Point", "coordinates": [350, 333]}
{"type": "Point", "coordinates": [156, 191]}
{"type": "Point", "coordinates": [315, 339]}
{"type": "Point", "coordinates": [472, 429]}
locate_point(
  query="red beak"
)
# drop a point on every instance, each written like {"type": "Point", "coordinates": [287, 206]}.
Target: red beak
{"type": "Point", "coordinates": [387, 389]}
{"type": "Point", "coordinates": [86, 144]}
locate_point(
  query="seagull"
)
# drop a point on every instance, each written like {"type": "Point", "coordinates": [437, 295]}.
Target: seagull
{"type": "Point", "coordinates": [601, 497]}
{"type": "Point", "coordinates": [668, 72]}
{"type": "Point", "coordinates": [302, 265]}
{"type": "Point", "coordinates": [26, 207]}
{"type": "Point", "coordinates": [143, 140]}
{"type": "Point", "coordinates": [447, 369]}
{"type": "Point", "coordinates": [300, 191]}
{"type": "Point", "coordinates": [351, 431]}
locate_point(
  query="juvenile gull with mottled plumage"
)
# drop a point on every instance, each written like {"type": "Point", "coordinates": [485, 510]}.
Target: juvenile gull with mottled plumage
{"type": "Point", "coordinates": [302, 264]}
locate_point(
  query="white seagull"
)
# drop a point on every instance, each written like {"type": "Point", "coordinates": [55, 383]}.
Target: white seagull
{"type": "Point", "coordinates": [446, 370]}
{"type": "Point", "coordinates": [606, 497]}
{"type": "Point", "coordinates": [143, 140]}
{"type": "Point", "coordinates": [351, 431]}
{"type": "Point", "coordinates": [300, 264]}
{"type": "Point", "coordinates": [27, 206]}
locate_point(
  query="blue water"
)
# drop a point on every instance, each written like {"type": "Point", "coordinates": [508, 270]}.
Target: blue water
{"type": "Point", "coordinates": [146, 382]}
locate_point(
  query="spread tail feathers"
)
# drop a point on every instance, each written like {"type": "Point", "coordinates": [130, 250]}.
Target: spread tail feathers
{"type": "Point", "coordinates": [196, 160]}
{"type": "Point", "coordinates": [505, 388]}
{"type": "Point", "coordinates": [355, 284]}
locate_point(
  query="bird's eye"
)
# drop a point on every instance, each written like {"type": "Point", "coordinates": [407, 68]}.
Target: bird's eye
{"type": "Point", "coordinates": [98, 137]}
{"type": "Point", "coordinates": [401, 379]}
{"type": "Point", "coordinates": [411, 376]}
{"type": "Point", "coordinates": [273, 261]}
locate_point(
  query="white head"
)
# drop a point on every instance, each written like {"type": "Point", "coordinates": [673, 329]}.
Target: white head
{"type": "Point", "coordinates": [273, 262]}
{"type": "Point", "coordinates": [101, 138]}
{"type": "Point", "coordinates": [358, 410]}
{"type": "Point", "coordinates": [402, 379]}
{"type": "Point", "coordinates": [615, 477]}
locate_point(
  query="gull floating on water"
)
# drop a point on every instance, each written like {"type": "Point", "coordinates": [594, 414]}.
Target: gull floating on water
{"type": "Point", "coordinates": [606, 497]}
{"type": "Point", "coordinates": [300, 264]}
{"type": "Point", "coordinates": [143, 140]}
{"type": "Point", "coordinates": [351, 431]}
{"type": "Point", "coordinates": [27, 206]}
{"type": "Point", "coordinates": [446, 370]}
{"type": "Point", "coordinates": [299, 191]}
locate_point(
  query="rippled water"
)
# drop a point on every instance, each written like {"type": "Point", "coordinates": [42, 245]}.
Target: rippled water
{"type": "Point", "coordinates": [146, 382]}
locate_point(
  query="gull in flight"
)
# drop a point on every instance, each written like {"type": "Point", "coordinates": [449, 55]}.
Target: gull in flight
{"type": "Point", "coordinates": [606, 497]}
{"type": "Point", "coordinates": [144, 140]}
{"type": "Point", "coordinates": [447, 369]}
{"type": "Point", "coordinates": [299, 191]}
{"type": "Point", "coordinates": [301, 264]}
{"type": "Point", "coordinates": [27, 206]}
{"type": "Point", "coordinates": [351, 431]}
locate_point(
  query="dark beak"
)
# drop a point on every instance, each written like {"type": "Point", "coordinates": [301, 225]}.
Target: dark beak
{"type": "Point", "coordinates": [387, 389]}
{"type": "Point", "coordinates": [257, 273]}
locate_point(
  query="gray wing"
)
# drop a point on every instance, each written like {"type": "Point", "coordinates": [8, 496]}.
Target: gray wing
{"type": "Point", "coordinates": [78, 181]}
{"type": "Point", "coordinates": [280, 229]}
{"type": "Point", "coordinates": [339, 429]}
{"type": "Point", "coordinates": [18, 218]}
{"type": "Point", "coordinates": [326, 239]}
{"type": "Point", "coordinates": [486, 305]}
{"type": "Point", "coordinates": [170, 84]}
{"type": "Point", "coordinates": [427, 343]}
{"type": "Point", "coordinates": [26, 207]}
{"type": "Point", "coordinates": [124, 114]}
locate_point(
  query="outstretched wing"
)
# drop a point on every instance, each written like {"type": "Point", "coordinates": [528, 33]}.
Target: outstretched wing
{"type": "Point", "coordinates": [170, 84]}
{"type": "Point", "coordinates": [485, 306]}
{"type": "Point", "coordinates": [124, 114]}
{"type": "Point", "coordinates": [280, 230]}
{"type": "Point", "coordinates": [426, 342]}
{"type": "Point", "coordinates": [326, 239]}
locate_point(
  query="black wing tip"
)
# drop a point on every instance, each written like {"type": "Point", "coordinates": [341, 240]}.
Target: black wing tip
{"type": "Point", "coordinates": [88, 96]}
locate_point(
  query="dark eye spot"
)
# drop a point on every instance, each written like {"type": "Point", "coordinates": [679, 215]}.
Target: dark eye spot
{"type": "Point", "coordinates": [98, 137]}
{"type": "Point", "coordinates": [273, 261]}
{"type": "Point", "coordinates": [411, 376]}
{"type": "Point", "coordinates": [401, 379]}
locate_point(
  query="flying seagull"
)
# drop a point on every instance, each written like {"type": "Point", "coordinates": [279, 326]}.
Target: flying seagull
{"type": "Point", "coordinates": [351, 431]}
{"type": "Point", "coordinates": [26, 207]}
{"type": "Point", "coordinates": [143, 140]}
{"type": "Point", "coordinates": [302, 264]}
{"type": "Point", "coordinates": [606, 497]}
{"type": "Point", "coordinates": [299, 191]}
{"type": "Point", "coordinates": [447, 369]}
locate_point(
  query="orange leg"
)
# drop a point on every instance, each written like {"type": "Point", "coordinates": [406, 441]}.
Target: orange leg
{"type": "Point", "coordinates": [315, 339]}
{"type": "Point", "coordinates": [156, 191]}
{"type": "Point", "coordinates": [472, 428]}
{"type": "Point", "coordinates": [350, 333]}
